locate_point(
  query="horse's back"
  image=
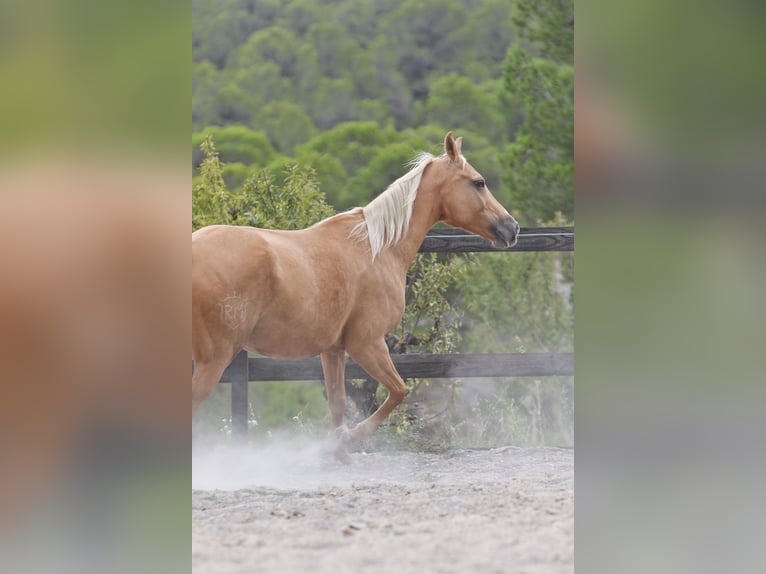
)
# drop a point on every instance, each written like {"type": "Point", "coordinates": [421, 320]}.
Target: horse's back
{"type": "Point", "coordinates": [225, 256]}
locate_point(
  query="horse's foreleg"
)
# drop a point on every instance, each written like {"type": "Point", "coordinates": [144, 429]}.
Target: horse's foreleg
{"type": "Point", "coordinates": [334, 367]}
{"type": "Point", "coordinates": [378, 364]}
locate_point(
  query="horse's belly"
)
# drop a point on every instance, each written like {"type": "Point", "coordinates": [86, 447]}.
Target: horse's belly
{"type": "Point", "coordinates": [290, 343]}
{"type": "Point", "coordinates": [284, 352]}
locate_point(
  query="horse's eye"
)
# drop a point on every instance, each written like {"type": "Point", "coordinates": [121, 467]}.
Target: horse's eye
{"type": "Point", "coordinates": [479, 183]}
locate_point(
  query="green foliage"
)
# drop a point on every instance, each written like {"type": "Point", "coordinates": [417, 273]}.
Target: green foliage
{"type": "Point", "coordinates": [274, 45]}
{"type": "Point", "coordinates": [519, 303]}
{"type": "Point", "coordinates": [286, 125]}
{"type": "Point", "coordinates": [293, 203]}
{"type": "Point", "coordinates": [296, 203]}
{"type": "Point", "coordinates": [235, 144]}
{"type": "Point", "coordinates": [212, 203]}
{"type": "Point", "coordinates": [205, 85]}
{"type": "Point", "coordinates": [232, 105]}
{"type": "Point", "coordinates": [235, 174]}
{"type": "Point", "coordinates": [547, 27]}
{"type": "Point", "coordinates": [329, 171]}
{"type": "Point", "coordinates": [427, 36]}
{"type": "Point", "coordinates": [303, 72]}
{"type": "Point", "coordinates": [278, 405]}
{"type": "Point", "coordinates": [371, 180]}
{"type": "Point", "coordinates": [263, 83]}
{"type": "Point", "coordinates": [540, 160]}
{"type": "Point", "coordinates": [353, 143]}
{"type": "Point", "coordinates": [489, 21]}
{"type": "Point", "coordinates": [431, 322]}
{"type": "Point", "coordinates": [458, 100]}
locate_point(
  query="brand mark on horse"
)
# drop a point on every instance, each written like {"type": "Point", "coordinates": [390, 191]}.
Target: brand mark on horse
{"type": "Point", "coordinates": [233, 310]}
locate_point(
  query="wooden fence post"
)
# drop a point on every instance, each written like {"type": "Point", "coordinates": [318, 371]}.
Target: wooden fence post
{"type": "Point", "coordinates": [239, 401]}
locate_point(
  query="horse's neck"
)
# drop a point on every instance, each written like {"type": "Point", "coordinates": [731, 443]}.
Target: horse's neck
{"type": "Point", "coordinates": [425, 213]}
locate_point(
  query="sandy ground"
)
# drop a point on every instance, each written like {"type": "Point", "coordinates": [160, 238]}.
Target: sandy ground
{"type": "Point", "coordinates": [296, 510]}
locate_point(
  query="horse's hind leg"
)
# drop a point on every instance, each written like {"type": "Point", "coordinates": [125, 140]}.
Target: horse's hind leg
{"type": "Point", "coordinates": [213, 348]}
{"type": "Point", "coordinates": [334, 367]}
{"type": "Point", "coordinates": [378, 364]}
{"type": "Point", "coordinates": [206, 376]}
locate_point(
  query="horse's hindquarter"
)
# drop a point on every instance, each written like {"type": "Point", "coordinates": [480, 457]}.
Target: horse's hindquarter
{"type": "Point", "coordinates": [231, 266]}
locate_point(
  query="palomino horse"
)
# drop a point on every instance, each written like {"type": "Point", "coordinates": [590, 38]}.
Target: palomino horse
{"type": "Point", "coordinates": [335, 287]}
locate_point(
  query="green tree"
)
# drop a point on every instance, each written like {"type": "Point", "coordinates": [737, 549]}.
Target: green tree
{"type": "Point", "coordinates": [275, 45]}
{"type": "Point", "coordinates": [343, 61]}
{"type": "Point", "coordinates": [295, 203]}
{"type": "Point", "coordinates": [335, 48]}
{"type": "Point", "coordinates": [235, 174]}
{"type": "Point", "coordinates": [540, 160]}
{"type": "Point", "coordinates": [235, 144]}
{"type": "Point", "coordinates": [212, 202]}
{"type": "Point", "coordinates": [264, 83]}
{"type": "Point", "coordinates": [205, 85]}
{"type": "Point", "coordinates": [286, 124]}
{"type": "Point", "coordinates": [547, 28]}
{"type": "Point", "coordinates": [354, 144]}
{"type": "Point", "coordinates": [396, 90]}
{"type": "Point", "coordinates": [491, 22]}
{"type": "Point", "coordinates": [426, 36]}
{"type": "Point", "coordinates": [215, 36]}
{"type": "Point", "coordinates": [300, 14]}
{"type": "Point", "coordinates": [230, 105]}
{"type": "Point", "coordinates": [333, 102]}
{"type": "Point", "coordinates": [329, 171]}
{"type": "Point", "coordinates": [388, 164]}
{"type": "Point", "coordinates": [456, 100]}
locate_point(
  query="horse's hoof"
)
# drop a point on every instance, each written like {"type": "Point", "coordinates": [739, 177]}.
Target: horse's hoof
{"type": "Point", "coordinates": [343, 434]}
{"type": "Point", "coordinates": [341, 454]}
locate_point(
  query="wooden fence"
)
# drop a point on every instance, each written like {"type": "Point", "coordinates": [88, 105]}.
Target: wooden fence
{"type": "Point", "coordinates": [475, 365]}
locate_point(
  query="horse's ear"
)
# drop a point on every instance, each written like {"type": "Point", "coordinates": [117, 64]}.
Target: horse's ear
{"type": "Point", "coordinates": [451, 148]}
{"type": "Point", "coordinates": [459, 145]}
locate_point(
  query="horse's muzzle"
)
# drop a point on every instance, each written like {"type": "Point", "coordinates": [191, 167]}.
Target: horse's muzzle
{"type": "Point", "coordinates": [506, 232]}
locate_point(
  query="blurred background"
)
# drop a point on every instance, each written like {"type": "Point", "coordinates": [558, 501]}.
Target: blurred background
{"type": "Point", "coordinates": [302, 109]}
{"type": "Point", "coordinates": [94, 336]}
{"type": "Point", "coordinates": [670, 144]}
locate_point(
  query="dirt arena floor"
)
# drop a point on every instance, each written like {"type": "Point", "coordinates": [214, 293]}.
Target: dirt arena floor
{"type": "Point", "coordinates": [292, 510]}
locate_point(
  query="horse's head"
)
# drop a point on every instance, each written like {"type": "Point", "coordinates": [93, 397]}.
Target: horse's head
{"type": "Point", "coordinates": [466, 201]}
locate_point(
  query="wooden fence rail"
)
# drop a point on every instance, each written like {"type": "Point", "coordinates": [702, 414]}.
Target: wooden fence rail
{"type": "Point", "coordinates": [244, 369]}
{"type": "Point", "coordinates": [530, 239]}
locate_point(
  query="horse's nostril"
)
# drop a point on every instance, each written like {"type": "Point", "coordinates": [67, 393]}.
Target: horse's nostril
{"type": "Point", "coordinates": [505, 231]}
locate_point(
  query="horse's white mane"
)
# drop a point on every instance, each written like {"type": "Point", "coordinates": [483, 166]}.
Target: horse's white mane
{"type": "Point", "coordinates": [387, 217]}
